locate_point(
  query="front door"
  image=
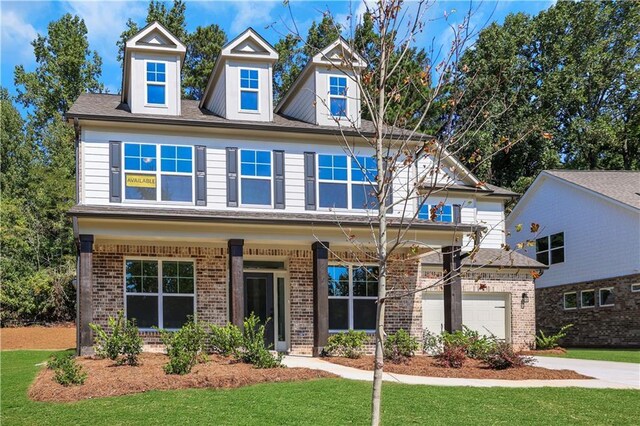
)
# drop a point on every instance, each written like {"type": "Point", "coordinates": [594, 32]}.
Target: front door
{"type": "Point", "coordinates": [258, 298]}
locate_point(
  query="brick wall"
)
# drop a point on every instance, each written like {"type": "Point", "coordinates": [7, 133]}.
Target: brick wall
{"type": "Point", "coordinates": [614, 326]}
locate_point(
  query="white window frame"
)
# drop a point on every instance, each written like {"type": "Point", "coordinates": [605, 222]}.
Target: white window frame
{"type": "Point", "coordinates": [349, 182]}
{"type": "Point", "coordinates": [564, 300]}
{"type": "Point", "coordinates": [241, 176]}
{"type": "Point", "coordinates": [158, 174]}
{"type": "Point", "coordinates": [549, 249]}
{"type": "Point", "coordinates": [431, 206]}
{"type": "Point", "coordinates": [594, 299]}
{"type": "Point", "coordinates": [345, 97]}
{"type": "Point", "coordinates": [600, 297]}
{"type": "Point", "coordinates": [635, 288]}
{"type": "Point", "coordinates": [160, 293]}
{"type": "Point", "coordinates": [155, 83]}
{"type": "Point", "coordinates": [247, 89]}
{"type": "Point", "coordinates": [350, 298]}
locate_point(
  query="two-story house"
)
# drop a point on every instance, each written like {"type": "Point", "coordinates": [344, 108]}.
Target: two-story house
{"type": "Point", "coordinates": [226, 206]}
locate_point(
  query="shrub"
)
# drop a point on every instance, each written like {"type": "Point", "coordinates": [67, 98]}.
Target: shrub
{"type": "Point", "coordinates": [185, 347]}
{"type": "Point", "coordinates": [254, 350]}
{"type": "Point", "coordinates": [452, 355]}
{"type": "Point", "coordinates": [400, 346]}
{"type": "Point", "coordinates": [122, 340]}
{"type": "Point", "coordinates": [349, 344]}
{"type": "Point", "coordinates": [66, 370]}
{"type": "Point", "coordinates": [502, 356]}
{"type": "Point", "coordinates": [475, 346]}
{"type": "Point", "coordinates": [551, 342]}
{"type": "Point", "coordinates": [226, 340]}
{"type": "Point", "coordinates": [431, 342]}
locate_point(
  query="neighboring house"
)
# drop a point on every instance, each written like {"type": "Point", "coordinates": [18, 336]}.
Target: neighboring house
{"type": "Point", "coordinates": [590, 239]}
{"type": "Point", "coordinates": [227, 206]}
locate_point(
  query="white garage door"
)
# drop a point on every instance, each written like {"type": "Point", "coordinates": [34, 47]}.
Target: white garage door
{"type": "Point", "coordinates": [485, 313]}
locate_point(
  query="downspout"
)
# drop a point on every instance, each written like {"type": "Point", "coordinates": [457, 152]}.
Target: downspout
{"type": "Point", "coordinates": [74, 220]}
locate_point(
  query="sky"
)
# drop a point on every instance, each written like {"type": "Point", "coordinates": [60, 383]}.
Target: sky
{"type": "Point", "coordinates": [22, 21]}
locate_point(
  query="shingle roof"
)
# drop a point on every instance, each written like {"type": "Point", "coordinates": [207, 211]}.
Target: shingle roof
{"type": "Point", "coordinates": [490, 258]}
{"type": "Point", "coordinates": [619, 185]}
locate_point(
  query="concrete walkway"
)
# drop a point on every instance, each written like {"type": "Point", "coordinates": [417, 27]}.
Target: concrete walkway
{"type": "Point", "coordinates": [615, 375]}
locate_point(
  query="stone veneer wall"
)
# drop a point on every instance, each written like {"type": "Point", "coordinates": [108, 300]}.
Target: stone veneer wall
{"type": "Point", "coordinates": [613, 326]}
{"type": "Point", "coordinates": [523, 315]}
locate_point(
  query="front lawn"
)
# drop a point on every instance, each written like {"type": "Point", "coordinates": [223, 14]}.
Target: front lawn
{"type": "Point", "coordinates": [319, 402]}
{"type": "Point", "coordinates": [619, 355]}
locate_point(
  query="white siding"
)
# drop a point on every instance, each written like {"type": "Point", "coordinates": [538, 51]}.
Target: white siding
{"type": "Point", "coordinates": [217, 104]}
{"type": "Point", "coordinates": [490, 214]}
{"type": "Point", "coordinates": [138, 88]}
{"type": "Point", "coordinates": [602, 238]}
{"type": "Point", "coordinates": [302, 104]}
{"type": "Point", "coordinates": [323, 116]}
{"type": "Point", "coordinates": [95, 170]}
{"type": "Point", "coordinates": [232, 80]}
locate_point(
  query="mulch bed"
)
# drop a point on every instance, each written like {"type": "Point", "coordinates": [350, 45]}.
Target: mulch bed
{"type": "Point", "coordinates": [104, 379]}
{"type": "Point", "coordinates": [59, 336]}
{"type": "Point", "coordinates": [472, 369]}
{"type": "Point", "coordinates": [548, 352]}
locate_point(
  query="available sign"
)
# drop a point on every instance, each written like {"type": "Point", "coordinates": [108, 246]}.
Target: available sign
{"type": "Point", "coordinates": [141, 181]}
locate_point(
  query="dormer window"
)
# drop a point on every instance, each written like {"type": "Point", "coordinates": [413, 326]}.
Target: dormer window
{"type": "Point", "coordinates": [338, 96]}
{"type": "Point", "coordinates": [156, 83]}
{"type": "Point", "coordinates": [249, 89]}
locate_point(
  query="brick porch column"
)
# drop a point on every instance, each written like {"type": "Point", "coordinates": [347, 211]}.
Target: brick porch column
{"type": "Point", "coordinates": [84, 308]}
{"type": "Point", "coordinates": [320, 296]}
{"type": "Point", "coordinates": [452, 288]}
{"type": "Point", "coordinates": [236, 285]}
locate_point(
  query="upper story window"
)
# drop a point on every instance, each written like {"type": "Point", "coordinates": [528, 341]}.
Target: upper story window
{"type": "Point", "coordinates": [346, 184]}
{"type": "Point", "coordinates": [338, 96]}
{"type": "Point", "coordinates": [249, 89]}
{"type": "Point", "coordinates": [550, 249]}
{"type": "Point", "coordinates": [363, 177]}
{"type": "Point", "coordinates": [352, 297]}
{"type": "Point", "coordinates": [156, 83]}
{"type": "Point", "coordinates": [142, 173]}
{"type": "Point", "coordinates": [255, 181]}
{"type": "Point", "coordinates": [436, 212]}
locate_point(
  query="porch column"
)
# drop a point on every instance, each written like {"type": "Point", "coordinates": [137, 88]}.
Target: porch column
{"type": "Point", "coordinates": [452, 288]}
{"type": "Point", "coordinates": [320, 296]}
{"type": "Point", "coordinates": [236, 287]}
{"type": "Point", "coordinates": [84, 315]}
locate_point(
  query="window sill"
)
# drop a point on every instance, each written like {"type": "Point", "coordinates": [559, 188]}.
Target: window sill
{"type": "Point", "coordinates": [369, 332]}
{"type": "Point", "coordinates": [606, 306]}
{"type": "Point", "coordinates": [249, 111]}
{"type": "Point", "coordinates": [159, 106]}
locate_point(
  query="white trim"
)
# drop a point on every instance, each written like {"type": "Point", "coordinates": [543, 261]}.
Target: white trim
{"type": "Point", "coordinates": [550, 249]}
{"type": "Point", "coordinates": [350, 298]}
{"type": "Point", "coordinates": [246, 89]}
{"type": "Point", "coordinates": [635, 288]}
{"type": "Point", "coordinates": [240, 177]}
{"type": "Point", "coordinates": [600, 297]}
{"type": "Point", "coordinates": [345, 97]}
{"type": "Point", "coordinates": [349, 182]}
{"type": "Point", "coordinates": [582, 306]}
{"type": "Point", "coordinates": [564, 301]}
{"type": "Point", "coordinates": [147, 83]}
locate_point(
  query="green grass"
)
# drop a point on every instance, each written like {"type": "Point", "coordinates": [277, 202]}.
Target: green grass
{"type": "Point", "coordinates": [619, 355]}
{"type": "Point", "coordinates": [320, 402]}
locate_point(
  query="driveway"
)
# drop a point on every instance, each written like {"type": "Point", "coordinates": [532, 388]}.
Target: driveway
{"type": "Point", "coordinates": [619, 373]}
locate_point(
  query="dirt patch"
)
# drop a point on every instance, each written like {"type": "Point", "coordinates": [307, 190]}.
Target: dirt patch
{"type": "Point", "coordinates": [547, 352]}
{"type": "Point", "coordinates": [104, 379]}
{"type": "Point", "coordinates": [472, 369]}
{"type": "Point", "coordinates": [60, 336]}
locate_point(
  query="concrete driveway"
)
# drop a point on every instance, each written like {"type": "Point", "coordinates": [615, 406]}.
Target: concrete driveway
{"type": "Point", "coordinates": [618, 373]}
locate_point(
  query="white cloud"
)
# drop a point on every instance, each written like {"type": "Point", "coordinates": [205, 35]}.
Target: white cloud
{"type": "Point", "coordinates": [17, 35]}
{"type": "Point", "coordinates": [252, 14]}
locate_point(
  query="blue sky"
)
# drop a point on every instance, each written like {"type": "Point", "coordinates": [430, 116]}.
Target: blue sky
{"type": "Point", "coordinates": [21, 21]}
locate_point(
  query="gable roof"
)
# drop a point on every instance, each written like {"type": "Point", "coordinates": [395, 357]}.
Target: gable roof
{"type": "Point", "coordinates": [339, 46]}
{"type": "Point", "coordinates": [489, 258]}
{"type": "Point", "coordinates": [619, 185]}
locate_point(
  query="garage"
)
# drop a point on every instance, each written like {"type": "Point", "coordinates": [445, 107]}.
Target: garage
{"type": "Point", "coordinates": [486, 313]}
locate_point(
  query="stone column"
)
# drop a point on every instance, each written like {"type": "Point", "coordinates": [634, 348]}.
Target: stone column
{"type": "Point", "coordinates": [452, 288]}
{"type": "Point", "coordinates": [320, 296]}
{"type": "Point", "coordinates": [85, 297]}
{"type": "Point", "coordinates": [236, 283]}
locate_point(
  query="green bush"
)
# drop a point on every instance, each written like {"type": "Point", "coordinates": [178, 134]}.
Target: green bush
{"type": "Point", "coordinates": [349, 344]}
{"type": "Point", "coordinates": [185, 347]}
{"type": "Point", "coordinates": [400, 346]}
{"type": "Point", "coordinates": [66, 371]}
{"type": "Point", "coordinates": [474, 345]}
{"type": "Point", "coordinates": [502, 356]}
{"type": "Point", "coordinates": [551, 342]}
{"type": "Point", "coordinates": [253, 349]}
{"type": "Point", "coordinates": [122, 343]}
{"type": "Point", "coordinates": [452, 355]}
{"type": "Point", "coordinates": [225, 340]}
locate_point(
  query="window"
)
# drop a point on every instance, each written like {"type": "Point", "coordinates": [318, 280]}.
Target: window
{"type": "Point", "coordinates": [156, 83]}
{"type": "Point", "coordinates": [332, 181]}
{"type": "Point", "coordinates": [606, 297]}
{"type": "Point", "coordinates": [635, 288]}
{"type": "Point", "coordinates": [587, 298]}
{"type": "Point", "coordinates": [338, 96]}
{"type": "Point", "coordinates": [352, 297]}
{"type": "Point", "coordinates": [255, 182]}
{"type": "Point", "coordinates": [436, 212]}
{"type": "Point", "coordinates": [249, 89]}
{"type": "Point", "coordinates": [363, 175]}
{"type": "Point", "coordinates": [159, 293]}
{"type": "Point", "coordinates": [550, 250]}
{"type": "Point", "coordinates": [571, 300]}
{"type": "Point", "coordinates": [142, 174]}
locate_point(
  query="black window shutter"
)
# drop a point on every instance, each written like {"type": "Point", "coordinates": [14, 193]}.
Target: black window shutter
{"type": "Point", "coordinates": [310, 180]}
{"type": "Point", "coordinates": [232, 177]}
{"type": "Point", "coordinates": [201, 175]}
{"type": "Point", "coordinates": [457, 213]}
{"type": "Point", "coordinates": [115, 171]}
{"type": "Point", "coordinates": [278, 179]}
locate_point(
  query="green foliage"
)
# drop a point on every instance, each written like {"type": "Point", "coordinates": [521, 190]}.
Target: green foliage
{"type": "Point", "coordinates": [550, 342]}
{"type": "Point", "coordinates": [203, 47]}
{"type": "Point", "coordinates": [66, 370]}
{"type": "Point", "coordinates": [225, 340]}
{"type": "Point", "coordinates": [400, 346]}
{"type": "Point", "coordinates": [472, 343]}
{"type": "Point", "coordinates": [501, 356]}
{"type": "Point", "coordinates": [253, 347]}
{"type": "Point", "coordinates": [122, 343]}
{"type": "Point", "coordinates": [349, 344]}
{"type": "Point", "coordinates": [185, 347]}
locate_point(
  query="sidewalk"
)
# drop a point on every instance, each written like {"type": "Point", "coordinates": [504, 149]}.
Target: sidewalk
{"type": "Point", "coordinates": [606, 376]}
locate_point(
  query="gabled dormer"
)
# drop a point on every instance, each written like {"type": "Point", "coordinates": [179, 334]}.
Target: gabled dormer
{"type": "Point", "coordinates": [151, 80]}
{"type": "Point", "coordinates": [241, 84]}
{"type": "Point", "coordinates": [326, 91]}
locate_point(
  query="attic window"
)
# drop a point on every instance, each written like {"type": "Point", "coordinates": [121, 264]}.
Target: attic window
{"type": "Point", "coordinates": [248, 89]}
{"type": "Point", "coordinates": [156, 83]}
{"type": "Point", "coordinates": [338, 96]}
